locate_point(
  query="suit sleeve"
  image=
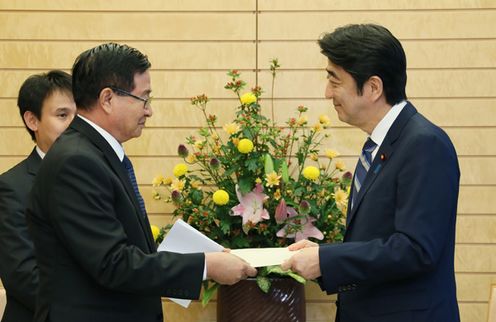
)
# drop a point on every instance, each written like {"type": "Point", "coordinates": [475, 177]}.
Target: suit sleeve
{"type": "Point", "coordinates": [425, 208]}
{"type": "Point", "coordinates": [83, 211]}
{"type": "Point", "coordinates": [18, 267]}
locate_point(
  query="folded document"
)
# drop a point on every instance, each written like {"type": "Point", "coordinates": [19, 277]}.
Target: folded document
{"type": "Point", "coordinates": [184, 239]}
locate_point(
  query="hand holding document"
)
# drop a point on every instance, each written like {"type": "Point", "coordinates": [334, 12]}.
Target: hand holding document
{"type": "Point", "coordinates": [183, 239]}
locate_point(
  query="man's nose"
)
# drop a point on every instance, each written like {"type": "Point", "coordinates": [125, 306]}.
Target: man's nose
{"type": "Point", "coordinates": [328, 92]}
{"type": "Point", "coordinates": [148, 110]}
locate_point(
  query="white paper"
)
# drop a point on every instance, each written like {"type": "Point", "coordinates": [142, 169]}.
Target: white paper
{"type": "Point", "coordinates": [260, 257]}
{"type": "Point", "coordinates": [184, 239]}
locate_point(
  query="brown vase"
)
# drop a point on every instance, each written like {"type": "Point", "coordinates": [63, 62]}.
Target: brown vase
{"type": "Point", "coordinates": [245, 302]}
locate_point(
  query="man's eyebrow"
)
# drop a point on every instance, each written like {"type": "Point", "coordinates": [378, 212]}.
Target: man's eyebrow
{"type": "Point", "coordinates": [332, 74]}
{"type": "Point", "coordinates": [147, 92]}
{"type": "Point", "coordinates": [62, 109]}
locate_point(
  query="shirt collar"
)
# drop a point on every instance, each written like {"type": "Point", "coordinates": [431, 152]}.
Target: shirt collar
{"type": "Point", "coordinates": [381, 129]}
{"type": "Point", "coordinates": [116, 146]}
{"type": "Point", "coordinates": [40, 153]}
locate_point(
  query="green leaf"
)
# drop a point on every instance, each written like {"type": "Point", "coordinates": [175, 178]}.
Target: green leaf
{"type": "Point", "coordinates": [263, 283]}
{"type": "Point", "coordinates": [203, 132]}
{"type": "Point", "coordinates": [225, 227]}
{"type": "Point", "coordinates": [196, 196]}
{"type": "Point", "coordinates": [276, 269]}
{"type": "Point", "coordinates": [297, 277]}
{"type": "Point", "coordinates": [208, 293]}
{"type": "Point", "coordinates": [252, 164]}
{"type": "Point", "coordinates": [262, 271]}
{"type": "Point", "coordinates": [245, 185]}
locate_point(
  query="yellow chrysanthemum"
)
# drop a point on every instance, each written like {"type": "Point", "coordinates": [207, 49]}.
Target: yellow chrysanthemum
{"type": "Point", "coordinates": [311, 173]}
{"type": "Point", "coordinates": [340, 165]}
{"type": "Point", "coordinates": [191, 158]}
{"type": "Point", "coordinates": [317, 127]}
{"type": "Point", "coordinates": [248, 98]}
{"type": "Point", "coordinates": [341, 197]}
{"type": "Point", "coordinates": [167, 181]}
{"type": "Point", "coordinates": [258, 180]}
{"type": "Point", "coordinates": [178, 184]}
{"type": "Point", "coordinates": [324, 120]}
{"type": "Point", "coordinates": [231, 128]}
{"type": "Point", "coordinates": [302, 120]}
{"type": "Point", "coordinates": [331, 154]}
{"type": "Point", "coordinates": [245, 146]}
{"type": "Point", "coordinates": [155, 232]}
{"type": "Point", "coordinates": [180, 170]}
{"type": "Point", "coordinates": [272, 179]}
{"type": "Point", "coordinates": [220, 197]}
{"type": "Point", "coordinates": [158, 180]}
{"type": "Point", "coordinates": [215, 136]}
{"type": "Point", "coordinates": [235, 141]}
{"type": "Point", "coordinates": [277, 194]}
{"type": "Point", "coordinates": [314, 156]}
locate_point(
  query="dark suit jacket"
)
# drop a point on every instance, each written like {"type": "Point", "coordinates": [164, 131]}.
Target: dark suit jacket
{"type": "Point", "coordinates": [397, 259]}
{"type": "Point", "coordinates": [18, 268]}
{"type": "Point", "coordinates": [96, 256]}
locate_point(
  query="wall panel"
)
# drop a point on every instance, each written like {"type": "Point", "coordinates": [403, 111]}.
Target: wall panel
{"type": "Point", "coordinates": [199, 55]}
{"type": "Point", "coordinates": [122, 26]}
{"type": "Point", "coordinates": [421, 53]}
{"type": "Point", "coordinates": [409, 24]}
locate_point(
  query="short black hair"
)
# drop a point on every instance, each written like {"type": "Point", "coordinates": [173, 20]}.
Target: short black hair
{"type": "Point", "coordinates": [37, 88]}
{"type": "Point", "coordinates": [366, 50]}
{"type": "Point", "coordinates": [106, 65]}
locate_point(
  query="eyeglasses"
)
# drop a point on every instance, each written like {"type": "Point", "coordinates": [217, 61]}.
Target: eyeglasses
{"type": "Point", "coordinates": [146, 101]}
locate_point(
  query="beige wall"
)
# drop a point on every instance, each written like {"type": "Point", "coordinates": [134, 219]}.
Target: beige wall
{"type": "Point", "coordinates": [451, 50]}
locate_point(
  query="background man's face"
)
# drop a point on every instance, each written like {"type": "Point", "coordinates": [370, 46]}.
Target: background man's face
{"type": "Point", "coordinates": [57, 112]}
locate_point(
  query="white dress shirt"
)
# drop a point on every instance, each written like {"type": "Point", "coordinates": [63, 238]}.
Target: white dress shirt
{"type": "Point", "coordinates": [382, 128]}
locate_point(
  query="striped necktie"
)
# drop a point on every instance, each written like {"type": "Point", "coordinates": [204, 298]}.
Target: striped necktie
{"type": "Point", "coordinates": [130, 172]}
{"type": "Point", "coordinates": [362, 167]}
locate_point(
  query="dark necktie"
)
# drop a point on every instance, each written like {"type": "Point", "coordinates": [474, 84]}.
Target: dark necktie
{"type": "Point", "coordinates": [130, 172]}
{"type": "Point", "coordinates": [362, 167]}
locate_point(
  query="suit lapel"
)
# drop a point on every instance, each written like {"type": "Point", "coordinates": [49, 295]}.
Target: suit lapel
{"type": "Point", "coordinates": [33, 162]}
{"type": "Point", "coordinates": [81, 126]}
{"type": "Point", "coordinates": [384, 153]}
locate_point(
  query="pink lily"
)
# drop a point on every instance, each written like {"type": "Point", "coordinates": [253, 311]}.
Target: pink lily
{"type": "Point", "coordinates": [307, 229]}
{"type": "Point", "coordinates": [282, 212]}
{"type": "Point", "coordinates": [251, 205]}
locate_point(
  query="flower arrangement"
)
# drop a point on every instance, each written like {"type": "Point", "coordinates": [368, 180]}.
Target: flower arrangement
{"type": "Point", "coordinates": [252, 183]}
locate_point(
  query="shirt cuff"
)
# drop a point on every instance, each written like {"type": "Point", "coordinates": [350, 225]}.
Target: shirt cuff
{"type": "Point", "coordinates": [205, 271]}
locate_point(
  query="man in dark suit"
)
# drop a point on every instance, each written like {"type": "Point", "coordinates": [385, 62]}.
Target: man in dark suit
{"type": "Point", "coordinates": [397, 259]}
{"type": "Point", "coordinates": [95, 251]}
{"type": "Point", "coordinates": [47, 108]}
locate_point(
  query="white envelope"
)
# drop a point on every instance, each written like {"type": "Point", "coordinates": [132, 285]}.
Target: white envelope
{"type": "Point", "coordinates": [260, 257]}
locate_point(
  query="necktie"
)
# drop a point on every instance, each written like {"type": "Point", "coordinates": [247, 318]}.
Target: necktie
{"type": "Point", "coordinates": [130, 172]}
{"type": "Point", "coordinates": [362, 167]}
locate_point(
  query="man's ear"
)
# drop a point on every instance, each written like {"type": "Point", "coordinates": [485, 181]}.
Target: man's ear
{"type": "Point", "coordinates": [376, 87]}
{"type": "Point", "coordinates": [32, 122]}
{"type": "Point", "coordinates": [105, 100]}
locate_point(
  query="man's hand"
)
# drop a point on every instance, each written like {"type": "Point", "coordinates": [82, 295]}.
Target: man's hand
{"type": "Point", "coordinates": [226, 268]}
{"type": "Point", "coordinates": [305, 243]}
{"type": "Point", "coordinates": [306, 261]}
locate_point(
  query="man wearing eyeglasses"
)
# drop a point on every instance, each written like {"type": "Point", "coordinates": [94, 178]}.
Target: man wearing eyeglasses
{"type": "Point", "coordinates": [97, 258]}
